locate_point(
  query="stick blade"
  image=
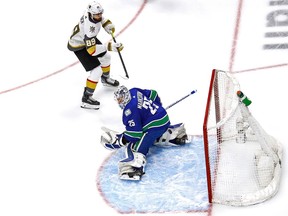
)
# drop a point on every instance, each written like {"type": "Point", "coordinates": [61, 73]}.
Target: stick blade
{"type": "Point", "coordinates": [124, 77]}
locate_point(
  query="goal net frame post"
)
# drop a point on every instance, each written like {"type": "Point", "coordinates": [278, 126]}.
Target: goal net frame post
{"type": "Point", "coordinates": [223, 105]}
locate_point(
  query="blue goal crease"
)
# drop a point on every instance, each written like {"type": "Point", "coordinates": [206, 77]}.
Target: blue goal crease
{"type": "Point", "coordinates": [174, 181]}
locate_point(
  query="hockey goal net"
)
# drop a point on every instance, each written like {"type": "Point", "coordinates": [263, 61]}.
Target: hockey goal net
{"type": "Point", "coordinates": [243, 162]}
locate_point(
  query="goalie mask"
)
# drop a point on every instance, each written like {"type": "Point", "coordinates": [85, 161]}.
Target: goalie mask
{"type": "Point", "coordinates": [122, 96]}
{"type": "Point", "coordinates": [95, 8]}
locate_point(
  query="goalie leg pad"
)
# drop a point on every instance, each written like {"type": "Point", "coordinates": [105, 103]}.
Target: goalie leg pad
{"type": "Point", "coordinates": [132, 167]}
{"type": "Point", "coordinates": [134, 159]}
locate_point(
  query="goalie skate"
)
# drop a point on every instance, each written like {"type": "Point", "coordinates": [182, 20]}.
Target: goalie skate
{"type": "Point", "coordinates": [174, 136]}
{"type": "Point", "coordinates": [131, 173]}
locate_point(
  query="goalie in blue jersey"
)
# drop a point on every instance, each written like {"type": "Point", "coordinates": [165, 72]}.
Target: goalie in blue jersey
{"type": "Point", "coordinates": [147, 123]}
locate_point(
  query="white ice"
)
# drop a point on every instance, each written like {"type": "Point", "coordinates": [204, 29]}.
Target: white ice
{"type": "Point", "coordinates": [49, 146]}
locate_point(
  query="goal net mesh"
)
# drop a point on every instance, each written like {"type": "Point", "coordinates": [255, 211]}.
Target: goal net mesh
{"type": "Point", "coordinates": [243, 161]}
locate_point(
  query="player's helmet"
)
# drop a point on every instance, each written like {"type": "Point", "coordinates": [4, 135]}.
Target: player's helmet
{"type": "Point", "coordinates": [122, 96]}
{"type": "Point", "coordinates": [95, 8]}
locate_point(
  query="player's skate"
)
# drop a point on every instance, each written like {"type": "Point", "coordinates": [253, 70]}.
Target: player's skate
{"type": "Point", "coordinates": [108, 81]}
{"type": "Point", "coordinates": [131, 173]}
{"type": "Point", "coordinates": [88, 102]}
{"type": "Point", "coordinates": [132, 167]}
{"type": "Point", "coordinates": [175, 135]}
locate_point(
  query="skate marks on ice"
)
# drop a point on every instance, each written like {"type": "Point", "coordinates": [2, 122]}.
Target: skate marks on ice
{"type": "Point", "coordinates": [174, 181]}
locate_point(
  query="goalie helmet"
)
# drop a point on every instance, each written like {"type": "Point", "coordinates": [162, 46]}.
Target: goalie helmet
{"type": "Point", "coordinates": [95, 8]}
{"type": "Point", "coordinates": [122, 96]}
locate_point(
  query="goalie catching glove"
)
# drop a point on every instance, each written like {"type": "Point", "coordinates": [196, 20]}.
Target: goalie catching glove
{"type": "Point", "coordinates": [112, 141]}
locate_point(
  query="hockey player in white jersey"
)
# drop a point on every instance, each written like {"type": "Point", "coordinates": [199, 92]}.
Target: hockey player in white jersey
{"type": "Point", "coordinates": [92, 54]}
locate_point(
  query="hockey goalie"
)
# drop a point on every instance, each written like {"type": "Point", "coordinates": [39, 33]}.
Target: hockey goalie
{"type": "Point", "coordinates": [146, 122]}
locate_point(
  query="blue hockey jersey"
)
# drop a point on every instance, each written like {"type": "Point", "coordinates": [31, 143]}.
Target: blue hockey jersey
{"type": "Point", "coordinates": [143, 112]}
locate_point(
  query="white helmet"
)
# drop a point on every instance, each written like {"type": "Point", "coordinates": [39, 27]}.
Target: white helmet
{"type": "Point", "coordinates": [95, 8]}
{"type": "Point", "coordinates": [122, 96]}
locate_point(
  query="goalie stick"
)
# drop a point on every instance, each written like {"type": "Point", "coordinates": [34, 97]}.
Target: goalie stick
{"type": "Point", "coordinates": [181, 99]}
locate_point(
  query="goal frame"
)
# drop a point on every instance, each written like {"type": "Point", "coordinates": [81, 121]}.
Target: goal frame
{"type": "Point", "coordinates": [213, 95]}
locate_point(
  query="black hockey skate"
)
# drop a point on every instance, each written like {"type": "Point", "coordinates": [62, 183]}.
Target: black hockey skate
{"type": "Point", "coordinates": [107, 81]}
{"type": "Point", "coordinates": [133, 173]}
{"type": "Point", "coordinates": [175, 136]}
{"type": "Point", "coordinates": [180, 140]}
{"type": "Point", "coordinates": [88, 102]}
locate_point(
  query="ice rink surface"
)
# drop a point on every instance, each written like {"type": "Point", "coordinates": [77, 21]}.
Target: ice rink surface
{"type": "Point", "coordinates": [50, 154]}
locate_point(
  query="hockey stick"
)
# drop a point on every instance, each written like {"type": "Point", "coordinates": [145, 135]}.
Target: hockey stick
{"type": "Point", "coordinates": [126, 73]}
{"type": "Point", "coordinates": [192, 92]}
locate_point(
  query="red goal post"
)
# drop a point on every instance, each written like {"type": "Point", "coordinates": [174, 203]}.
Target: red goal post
{"type": "Point", "coordinates": [243, 162]}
